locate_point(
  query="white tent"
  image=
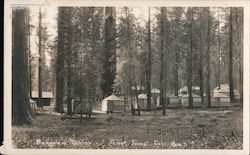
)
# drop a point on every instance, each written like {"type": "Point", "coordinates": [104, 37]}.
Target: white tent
{"type": "Point", "coordinates": [142, 101]}
{"type": "Point", "coordinates": [184, 90]}
{"type": "Point", "coordinates": [225, 90]}
{"type": "Point", "coordinates": [196, 100]}
{"type": "Point", "coordinates": [112, 103]}
{"type": "Point", "coordinates": [220, 99]}
{"type": "Point", "coordinates": [173, 100]}
{"type": "Point", "coordinates": [142, 96]}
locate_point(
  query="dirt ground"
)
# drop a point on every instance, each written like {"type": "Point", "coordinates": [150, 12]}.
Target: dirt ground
{"type": "Point", "coordinates": [179, 129]}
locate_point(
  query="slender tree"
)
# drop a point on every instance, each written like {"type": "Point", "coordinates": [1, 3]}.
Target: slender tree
{"type": "Point", "coordinates": [208, 93]}
{"type": "Point", "coordinates": [40, 59]}
{"type": "Point", "coordinates": [201, 77]}
{"type": "Point", "coordinates": [231, 81]}
{"type": "Point", "coordinates": [148, 64]}
{"type": "Point", "coordinates": [189, 61]}
{"type": "Point", "coordinates": [163, 61]}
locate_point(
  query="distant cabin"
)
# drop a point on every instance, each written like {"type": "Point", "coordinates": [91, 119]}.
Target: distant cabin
{"type": "Point", "coordinates": [47, 96]}
{"type": "Point", "coordinates": [224, 90]}
{"type": "Point", "coordinates": [113, 103]}
{"type": "Point", "coordinates": [195, 89]}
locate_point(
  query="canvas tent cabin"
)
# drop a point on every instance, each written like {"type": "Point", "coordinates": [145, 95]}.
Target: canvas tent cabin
{"type": "Point", "coordinates": [155, 92]}
{"type": "Point", "coordinates": [142, 101]}
{"type": "Point", "coordinates": [113, 103]}
{"type": "Point", "coordinates": [196, 100]}
{"type": "Point", "coordinates": [173, 101]}
{"type": "Point", "coordinates": [184, 90]}
{"type": "Point", "coordinates": [225, 90]}
{"type": "Point", "coordinates": [220, 100]}
{"type": "Point", "coordinates": [47, 96]}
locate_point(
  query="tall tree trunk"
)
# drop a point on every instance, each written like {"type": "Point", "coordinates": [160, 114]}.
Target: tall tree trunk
{"type": "Point", "coordinates": [201, 77]}
{"type": "Point", "coordinates": [60, 59]}
{"type": "Point", "coordinates": [190, 57]}
{"type": "Point", "coordinates": [131, 65]}
{"type": "Point", "coordinates": [40, 60]}
{"type": "Point", "coordinates": [176, 76]}
{"type": "Point", "coordinates": [240, 48]}
{"type": "Point", "coordinates": [109, 65]}
{"type": "Point", "coordinates": [163, 61]}
{"type": "Point", "coordinates": [20, 97]}
{"type": "Point", "coordinates": [68, 61]}
{"type": "Point", "coordinates": [219, 48]}
{"type": "Point", "coordinates": [208, 93]}
{"type": "Point", "coordinates": [231, 82]}
{"type": "Point", "coordinates": [148, 65]}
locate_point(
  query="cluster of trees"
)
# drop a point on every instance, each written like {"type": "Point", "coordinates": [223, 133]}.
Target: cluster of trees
{"type": "Point", "coordinates": [103, 50]}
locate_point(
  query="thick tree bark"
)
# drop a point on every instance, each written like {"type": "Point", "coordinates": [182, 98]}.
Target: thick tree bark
{"type": "Point", "coordinates": [208, 93]}
{"type": "Point", "coordinates": [148, 65]}
{"type": "Point", "coordinates": [231, 81]}
{"type": "Point", "coordinates": [163, 98]}
{"type": "Point", "coordinates": [60, 59]}
{"type": "Point", "coordinates": [109, 65]}
{"type": "Point", "coordinates": [68, 61]}
{"type": "Point", "coordinates": [20, 97]}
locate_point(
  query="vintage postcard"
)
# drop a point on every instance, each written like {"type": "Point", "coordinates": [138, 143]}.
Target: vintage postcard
{"type": "Point", "coordinates": [137, 77]}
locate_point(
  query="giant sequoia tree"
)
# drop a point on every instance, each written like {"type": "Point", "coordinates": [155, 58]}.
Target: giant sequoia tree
{"type": "Point", "coordinates": [20, 97]}
{"type": "Point", "coordinates": [109, 64]}
{"type": "Point", "coordinates": [60, 60]}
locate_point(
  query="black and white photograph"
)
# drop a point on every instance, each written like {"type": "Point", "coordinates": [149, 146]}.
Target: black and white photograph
{"type": "Point", "coordinates": [128, 77]}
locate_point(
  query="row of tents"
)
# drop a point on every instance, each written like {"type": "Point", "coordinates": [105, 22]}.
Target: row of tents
{"type": "Point", "coordinates": [220, 98]}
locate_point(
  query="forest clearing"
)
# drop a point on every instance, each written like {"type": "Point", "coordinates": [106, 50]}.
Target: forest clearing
{"type": "Point", "coordinates": [179, 129]}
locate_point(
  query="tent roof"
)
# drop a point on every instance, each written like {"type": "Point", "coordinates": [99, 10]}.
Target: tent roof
{"type": "Point", "coordinates": [142, 96]}
{"type": "Point", "coordinates": [193, 95]}
{"type": "Point", "coordinates": [155, 90]}
{"type": "Point", "coordinates": [45, 94]}
{"type": "Point", "coordinates": [112, 98]}
{"type": "Point", "coordinates": [220, 95]}
{"type": "Point", "coordinates": [185, 88]}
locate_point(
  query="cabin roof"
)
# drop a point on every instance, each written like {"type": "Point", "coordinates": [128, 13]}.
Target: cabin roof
{"type": "Point", "coordinates": [142, 96]}
{"type": "Point", "coordinates": [112, 98]}
{"type": "Point", "coordinates": [193, 95]}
